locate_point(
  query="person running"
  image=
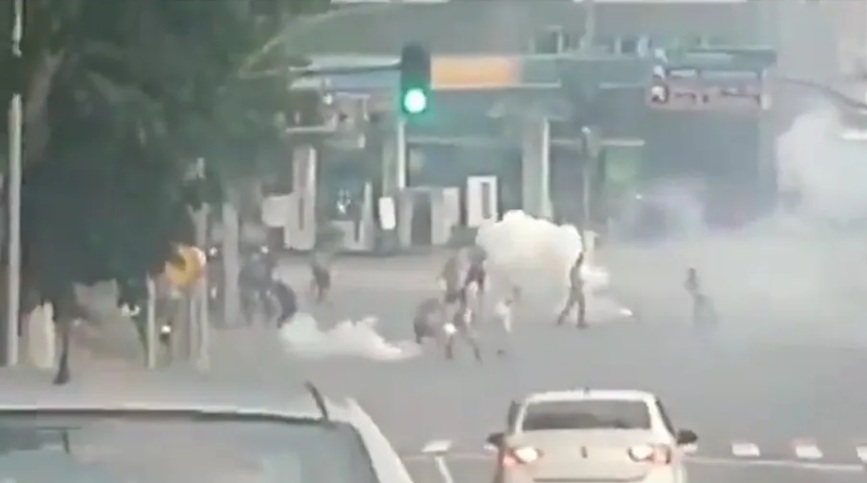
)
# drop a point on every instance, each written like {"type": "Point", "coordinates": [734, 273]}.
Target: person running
{"type": "Point", "coordinates": [287, 299]}
{"type": "Point", "coordinates": [320, 283]}
{"type": "Point", "coordinates": [702, 307]}
{"type": "Point", "coordinates": [462, 325]}
{"type": "Point", "coordinates": [450, 278]}
{"type": "Point", "coordinates": [428, 320]}
{"type": "Point", "coordinates": [476, 272]}
{"type": "Point", "coordinates": [577, 296]}
{"type": "Point", "coordinates": [503, 313]}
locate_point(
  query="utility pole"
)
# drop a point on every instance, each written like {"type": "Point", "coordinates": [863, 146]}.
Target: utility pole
{"type": "Point", "coordinates": [589, 37]}
{"type": "Point", "coordinates": [588, 41]}
{"type": "Point", "coordinates": [13, 286]}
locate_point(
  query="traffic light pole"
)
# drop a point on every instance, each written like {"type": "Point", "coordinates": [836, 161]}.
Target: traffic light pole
{"type": "Point", "coordinates": [13, 287]}
{"type": "Point", "coordinates": [400, 158]}
{"type": "Point", "coordinates": [394, 180]}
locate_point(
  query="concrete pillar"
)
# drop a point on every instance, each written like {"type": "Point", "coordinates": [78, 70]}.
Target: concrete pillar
{"type": "Point", "coordinates": [301, 226]}
{"type": "Point", "coordinates": [536, 168]}
{"type": "Point", "coordinates": [394, 161]}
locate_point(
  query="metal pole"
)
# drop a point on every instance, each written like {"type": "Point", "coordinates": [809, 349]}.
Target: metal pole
{"type": "Point", "coordinates": [13, 286]}
{"type": "Point", "coordinates": [400, 157]}
{"type": "Point", "coordinates": [589, 37]}
{"type": "Point", "coordinates": [200, 219]}
{"type": "Point", "coordinates": [231, 265]}
{"type": "Point", "coordinates": [151, 331]}
{"type": "Point", "coordinates": [200, 295]}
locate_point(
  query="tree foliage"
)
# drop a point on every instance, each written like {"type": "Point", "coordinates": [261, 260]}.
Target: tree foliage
{"type": "Point", "coordinates": [120, 99]}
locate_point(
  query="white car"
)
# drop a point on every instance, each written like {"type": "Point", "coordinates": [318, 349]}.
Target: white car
{"type": "Point", "coordinates": [161, 428]}
{"type": "Point", "coordinates": [590, 435]}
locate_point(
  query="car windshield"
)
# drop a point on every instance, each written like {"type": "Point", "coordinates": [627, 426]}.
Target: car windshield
{"type": "Point", "coordinates": [174, 447]}
{"type": "Point", "coordinates": [586, 414]}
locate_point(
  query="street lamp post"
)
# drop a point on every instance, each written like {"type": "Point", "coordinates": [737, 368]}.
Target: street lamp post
{"type": "Point", "coordinates": [13, 286]}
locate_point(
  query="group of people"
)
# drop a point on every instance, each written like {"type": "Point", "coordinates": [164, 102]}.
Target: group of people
{"type": "Point", "coordinates": [460, 308]}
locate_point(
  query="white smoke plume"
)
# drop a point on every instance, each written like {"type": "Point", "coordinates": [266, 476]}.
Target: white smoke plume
{"type": "Point", "coordinates": [303, 338]}
{"type": "Point", "coordinates": [827, 171]}
{"type": "Point", "coordinates": [536, 255]}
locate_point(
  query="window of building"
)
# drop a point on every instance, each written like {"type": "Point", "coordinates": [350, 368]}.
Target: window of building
{"type": "Point", "coordinates": [549, 41]}
{"type": "Point", "coordinates": [629, 45]}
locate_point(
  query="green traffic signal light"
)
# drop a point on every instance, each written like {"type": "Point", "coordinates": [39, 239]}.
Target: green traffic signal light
{"type": "Point", "coordinates": [415, 80]}
{"type": "Point", "coordinates": [414, 101]}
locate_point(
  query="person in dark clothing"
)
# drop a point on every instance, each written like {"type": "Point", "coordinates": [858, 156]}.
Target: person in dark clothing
{"type": "Point", "coordinates": [576, 295]}
{"type": "Point", "coordinates": [287, 299]}
{"type": "Point", "coordinates": [320, 285]}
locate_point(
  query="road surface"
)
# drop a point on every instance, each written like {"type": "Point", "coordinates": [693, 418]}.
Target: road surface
{"type": "Point", "coordinates": [770, 380]}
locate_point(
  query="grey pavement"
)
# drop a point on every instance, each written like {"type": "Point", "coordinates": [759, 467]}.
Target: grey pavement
{"type": "Point", "coordinates": [782, 370]}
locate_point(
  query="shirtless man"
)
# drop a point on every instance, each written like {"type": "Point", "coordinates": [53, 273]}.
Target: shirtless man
{"type": "Point", "coordinates": [320, 269]}
{"type": "Point", "coordinates": [429, 320]}
{"type": "Point", "coordinates": [503, 313]}
{"type": "Point", "coordinates": [576, 295]}
{"type": "Point", "coordinates": [462, 325]}
{"type": "Point", "coordinates": [450, 278]}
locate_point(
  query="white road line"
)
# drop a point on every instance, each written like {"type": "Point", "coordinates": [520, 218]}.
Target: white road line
{"type": "Point", "coordinates": [861, 450]}
{"type": "Point", "coordinates": [807, 450]}
{"type": "Point", "coordinates": [801, 465]}
{"type": "Point", "coordinates": [693, 460]}
{"type": "Point", "coordinates": [745, 450]}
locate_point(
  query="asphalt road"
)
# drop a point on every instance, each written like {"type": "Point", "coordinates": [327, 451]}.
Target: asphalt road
{"type": "Point", "coordinates": [770, 377]}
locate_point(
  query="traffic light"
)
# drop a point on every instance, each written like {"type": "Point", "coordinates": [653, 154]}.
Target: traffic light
{"type": "Point", "coordinates": [415, 80]}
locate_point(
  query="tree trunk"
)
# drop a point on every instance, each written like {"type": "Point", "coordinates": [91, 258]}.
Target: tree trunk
{"type": "Point", "coordinates": [37, 129]}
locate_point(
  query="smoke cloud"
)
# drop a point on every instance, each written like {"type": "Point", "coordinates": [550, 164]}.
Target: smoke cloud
{"type": "Point", "coordinates": [828, 173]}
{"type": "Point", "coordinates": [303, 338]}
{"type": "Point", "coordinates": [537, 255]}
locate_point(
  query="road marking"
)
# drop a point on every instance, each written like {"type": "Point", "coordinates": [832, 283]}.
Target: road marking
{"type": "Point", "coordinates": [802, 465]}
{"type": "Point", "coordinates": [437, 447]}
{"type": "Point", "coordinates": [694, 460]}
{"type": "Point", "coordinates": [745, 450]}
{"type": "Point", "coordinates": [807, 450]}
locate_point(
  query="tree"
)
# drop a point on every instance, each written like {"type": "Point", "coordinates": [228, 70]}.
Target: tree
{"type": "Point", "coordinates": [135, 92]}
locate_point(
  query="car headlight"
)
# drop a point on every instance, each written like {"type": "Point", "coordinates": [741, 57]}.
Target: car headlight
{"type": "Point", "coordinates": [527, 454]}
{"type": "Point", "coordinates": [521, 456]}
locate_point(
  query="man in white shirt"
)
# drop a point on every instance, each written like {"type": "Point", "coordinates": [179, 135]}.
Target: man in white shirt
{"type": "Point", "coordinates": [503, 316]}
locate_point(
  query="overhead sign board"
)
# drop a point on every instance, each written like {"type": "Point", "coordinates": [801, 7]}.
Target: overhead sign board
{"type": "Point", "coordinates": [461, 73]}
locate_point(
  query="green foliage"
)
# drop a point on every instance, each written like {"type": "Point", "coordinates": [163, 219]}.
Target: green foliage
{"type": "Point", "coordinates": [127, 95]}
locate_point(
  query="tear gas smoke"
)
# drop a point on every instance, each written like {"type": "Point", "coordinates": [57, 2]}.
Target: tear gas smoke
{"type": "Point", "coordinates": [303, 338]}
{"type": "Point", "coordinates": [828, 172]}
{"type": "Point", "coordinates": [537, 255]}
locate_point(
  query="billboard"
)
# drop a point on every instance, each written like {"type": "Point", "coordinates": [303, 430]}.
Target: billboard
{"type": "Point", "coordinates": [733, 80]}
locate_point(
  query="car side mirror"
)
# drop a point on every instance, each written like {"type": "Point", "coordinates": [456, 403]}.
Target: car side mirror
{"type": "Point", "coordinates": [685, 436]}
{"type": "Point", "coordinates": [495, 439]}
